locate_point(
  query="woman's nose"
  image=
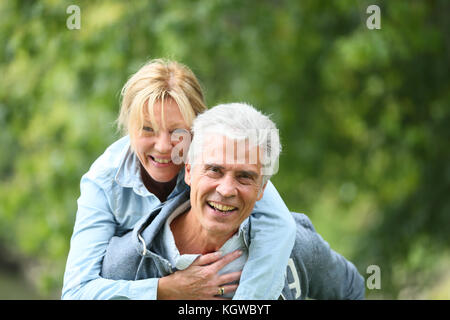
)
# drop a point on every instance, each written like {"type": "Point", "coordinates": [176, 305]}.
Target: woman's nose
{"type": "Point", "coordinates": [163, 143]}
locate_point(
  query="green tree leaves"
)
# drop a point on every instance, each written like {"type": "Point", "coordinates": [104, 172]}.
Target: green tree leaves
{"type": "Point", "coordinates": [363, 113]}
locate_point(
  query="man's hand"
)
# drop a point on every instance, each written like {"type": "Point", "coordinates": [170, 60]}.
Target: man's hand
{"type": "Point", "coordinates": [200, 280]}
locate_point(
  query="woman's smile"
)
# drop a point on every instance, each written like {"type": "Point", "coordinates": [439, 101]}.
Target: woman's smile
{"type": "Point", "coordinates": [160, 162]}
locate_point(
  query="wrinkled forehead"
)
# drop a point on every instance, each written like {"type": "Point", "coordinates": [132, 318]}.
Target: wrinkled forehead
{"type": "Point", "coordinates": [220, 149]}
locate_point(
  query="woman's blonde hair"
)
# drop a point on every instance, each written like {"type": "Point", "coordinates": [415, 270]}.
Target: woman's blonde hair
{"type": "Point", "coordinates": [157, 80]}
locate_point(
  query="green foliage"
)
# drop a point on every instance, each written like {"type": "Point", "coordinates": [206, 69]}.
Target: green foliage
{"type": "Point", "coordinates": [363, 115]}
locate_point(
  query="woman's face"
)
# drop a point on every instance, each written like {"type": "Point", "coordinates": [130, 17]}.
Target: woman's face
{"type": "Point", "coordinates": [154, 146]}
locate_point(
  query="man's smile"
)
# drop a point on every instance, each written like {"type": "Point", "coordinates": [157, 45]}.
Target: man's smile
{"type": "Point", "coordinates": [221, 207]}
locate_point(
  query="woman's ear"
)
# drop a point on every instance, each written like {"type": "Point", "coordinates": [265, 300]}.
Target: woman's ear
{"type": "Point", "coordinates": [187, 174]}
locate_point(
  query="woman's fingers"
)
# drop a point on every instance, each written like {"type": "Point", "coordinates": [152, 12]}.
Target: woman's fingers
{"type": "Point", "coordinates": [207, 259]}
{"type": "Point", "coordinates": [209, 265]}
{"type": "Point", "coordinates": [230, 277]}
{"type": "Point", "coordinates": [217, 259]}
{"type": "Point", "coordinates": [219, 264]}
{"type": "Point", "coordinates": [227, 289]}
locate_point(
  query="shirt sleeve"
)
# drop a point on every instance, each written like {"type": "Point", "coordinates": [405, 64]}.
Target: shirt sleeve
{"type": "Point", "coordinates": [333, 277]}
{"type": "Point", "coordinates": [272, 237]}
{"type": "Point", "coordinates": [94, 227]}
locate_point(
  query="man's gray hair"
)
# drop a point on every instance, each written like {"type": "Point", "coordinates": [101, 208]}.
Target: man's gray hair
{"type": "Point", "coordinates": [239, 121]}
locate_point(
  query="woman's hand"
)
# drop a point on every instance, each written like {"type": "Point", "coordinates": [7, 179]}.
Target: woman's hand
{"type": "Point", "coordinates": [200, 280]}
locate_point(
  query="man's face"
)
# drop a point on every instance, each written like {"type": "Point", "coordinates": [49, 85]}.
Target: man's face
{"type": "Point", "coordinates": [223, 192]}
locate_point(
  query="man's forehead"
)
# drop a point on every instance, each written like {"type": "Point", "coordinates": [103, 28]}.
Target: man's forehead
{"type": "Point", "coordinates": [222, 150]}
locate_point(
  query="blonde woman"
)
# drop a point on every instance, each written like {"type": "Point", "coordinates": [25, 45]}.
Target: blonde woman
{"type": "Point", "coordinates": [138, 173]}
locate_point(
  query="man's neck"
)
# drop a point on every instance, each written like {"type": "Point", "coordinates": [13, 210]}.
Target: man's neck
{"type": "Point", "coordinates": [191, 238]}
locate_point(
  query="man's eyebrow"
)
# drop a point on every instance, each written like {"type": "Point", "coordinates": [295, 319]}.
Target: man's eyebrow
{"type": "Point", "coordinates": [213, 165]}
{"type": "Point", "coordinates": [251, 173]}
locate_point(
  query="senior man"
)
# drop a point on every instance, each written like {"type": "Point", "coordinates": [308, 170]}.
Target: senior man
{"type": "Point", "coordinates": [233, 153]}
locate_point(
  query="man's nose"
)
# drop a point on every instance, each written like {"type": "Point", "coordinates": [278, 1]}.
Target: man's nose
{"type": "Point", "coordinates": [226, 187]}
{"type": "Point", "coordinates": [163, 143]}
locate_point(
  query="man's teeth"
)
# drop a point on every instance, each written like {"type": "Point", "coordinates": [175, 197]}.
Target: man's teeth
{"type": "Point", "coordinates": [221, 207]}
{"type": "Point", "coordinates": [161, 160]}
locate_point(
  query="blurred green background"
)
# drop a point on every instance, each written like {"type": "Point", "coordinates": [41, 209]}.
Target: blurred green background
{"type": "Point", "coordinates": [363, 114]}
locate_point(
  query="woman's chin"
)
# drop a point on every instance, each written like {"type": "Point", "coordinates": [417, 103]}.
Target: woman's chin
{"type": "Point", "coordinates": [163, 177]}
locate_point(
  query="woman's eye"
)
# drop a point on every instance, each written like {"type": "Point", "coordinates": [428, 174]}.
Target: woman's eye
{"type": "Point", "coordinates": [147, 129]}
{"type": "Point", "coordinates": [180, 131]}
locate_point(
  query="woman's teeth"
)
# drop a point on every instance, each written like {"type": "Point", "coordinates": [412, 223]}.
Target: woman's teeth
{"type": "Point", "coordinates": [221, 207]}
{"type": "Point", "coordinates": [161, 160]}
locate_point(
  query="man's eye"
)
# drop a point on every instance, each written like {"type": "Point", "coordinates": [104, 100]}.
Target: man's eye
{"type": "Point", "coordinates": [245, 178]}
{"type": "Point", "coordinates": [213, 171]}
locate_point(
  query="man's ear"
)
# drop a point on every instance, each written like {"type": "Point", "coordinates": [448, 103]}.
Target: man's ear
{"type": "Point", "coordinates": [187, 174]}
{"type": "Point", "coordinates": [261, 192]}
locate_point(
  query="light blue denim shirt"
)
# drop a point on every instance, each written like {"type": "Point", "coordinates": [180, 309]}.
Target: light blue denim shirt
{"type": "Point", "coordinates": [113, 198]}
